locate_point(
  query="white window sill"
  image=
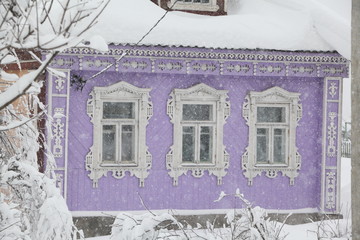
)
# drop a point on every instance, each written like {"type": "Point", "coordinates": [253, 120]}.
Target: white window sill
{"type": "Point", "coordinates": [126, 164]}
{"type": "Point", "coordinates": [271, 165]}
{"type": "Point", "coordinates": [197, 165]}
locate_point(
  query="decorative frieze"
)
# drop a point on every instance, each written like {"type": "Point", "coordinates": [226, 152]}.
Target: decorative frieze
{"type": "Point", "coordinates": [60, 181]}
{"type": "Point", "coordinates": [331, 147]}
{"type": "Point", "coordinates": [134, 64]}
{"type": "Point", "coordinates": [204, 67]}
{"type": "Point", "coordinates": [333, 70]}
{"type": "Point", "coordinates": [330, 190]}
{"type": "Point", "coordinates": [62, 62]}
{"type": "Point", "coordinates": [270, 69]}
{"type": "Point", "coordinates": [58, 132]}
{"type": "Point", "coordinates": [210, 61]}
{"type": "Point", "coordinates": [303, 69]}
{"type": "Point", "coordinates": [332, 133]}
{"type": "Point", "coordinates": [203, 53]}
{"type": "Point", "coordinates": [59, 83]}
{"type": "Point", "coordinates": [170, 66]}
{"type": "Point", "coordinates": [96, 63]}
{"type": "Point", "coordinates": [333, 89]}
{"type": "Point", "coordinates": [238, 68]}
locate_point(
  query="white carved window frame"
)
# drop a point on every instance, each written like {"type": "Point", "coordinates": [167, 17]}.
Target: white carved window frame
{"type": "Point", "coordinates": [198, 94]}
{"type": "Point", "coordinates": [211, 6]}
{"type": "Point", "coordinates": [275, 97]}
{"type": "Point", "coordinates": [119, 92]}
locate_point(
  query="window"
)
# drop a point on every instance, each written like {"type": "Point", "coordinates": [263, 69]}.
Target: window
{"type": "Point", "coordinates": [272, 116]}
{"type": "Point", "coordinates": [194, 5]}
{"type": "Point", "coordinates": [197, 133]}
{"type": "Point", "coordinates": [118, 129]}
{"type": "Point", "coordinates": [272, 127]}
{"type": "Point", "coordinates": [198, 114]}
{"type": "Point", "coordinates": [120, 114]}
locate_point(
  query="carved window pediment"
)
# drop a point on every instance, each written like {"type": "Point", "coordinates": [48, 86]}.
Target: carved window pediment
{"type": "Point", "coordinates": [119, 114]}
{"type": "Point", "coordinates": [272, 117]}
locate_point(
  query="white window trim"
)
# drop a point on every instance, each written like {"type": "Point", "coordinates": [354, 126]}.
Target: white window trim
{"type": "Point", "coordinates": [274, 96]}
{"type": "Point", "coordinates": [211, 6]}
{"type": "Point", "coordinates": [119, 92]}
{"type": "Point", "coordinates": [198, 94]}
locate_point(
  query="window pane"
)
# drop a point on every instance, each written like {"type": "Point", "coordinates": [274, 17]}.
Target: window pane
{"type": "Point", "coordinates": [279, 145]}
{"type": "Point", "coordinates": [206, 144]}
{"type": "Point", "coordinates": [127, 142]}
{"type": "Point", "coordinates": [124, 110]}
{"type": "Point", "coordinates": [205, 1]}
{"type": "Point", "coordinates": [108, 143]}
{"type": "Point", "coordinates": [188, 144]}
{"type": "Point", "coordinates": [197, 112]}
{"type": "Point", "coordinates": [271, 114]}
{"type": "Point", "coordinates": [262, 145]}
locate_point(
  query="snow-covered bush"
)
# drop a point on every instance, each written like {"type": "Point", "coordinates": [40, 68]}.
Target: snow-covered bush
{"type": "Point", "coordinates": [10, 220]}
{"type": "Point", "coordinates": [250, 222]}
{"type": "Point", "coordinates": [31, 206]}
{"type": "Point", "coordinates": [41, 25]}
{"type": "Point", "coordinates": [35, 207]}
{"type": "Point", "coordinates": [243, 224]}
{"type": "Point", "coordinates": [333, 229]}
{"type": "Point", "coordinates": [140, 227]}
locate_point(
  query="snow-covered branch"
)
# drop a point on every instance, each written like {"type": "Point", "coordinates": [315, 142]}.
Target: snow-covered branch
{"type": "Point", "coordinates": [24, 82]}
{"type": "Point", "coordinates": [43, 25]}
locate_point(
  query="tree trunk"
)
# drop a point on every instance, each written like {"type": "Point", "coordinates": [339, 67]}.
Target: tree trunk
{"type": "Point", "coordinates": [355, 118]}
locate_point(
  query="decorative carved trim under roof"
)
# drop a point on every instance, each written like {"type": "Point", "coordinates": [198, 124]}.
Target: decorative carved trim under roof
{"type": "Point", "coordinates": [185, 60]}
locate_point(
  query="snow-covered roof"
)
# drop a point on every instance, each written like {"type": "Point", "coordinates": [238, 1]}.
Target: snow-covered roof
{"type": "Point", "coordinates": [314, 25]}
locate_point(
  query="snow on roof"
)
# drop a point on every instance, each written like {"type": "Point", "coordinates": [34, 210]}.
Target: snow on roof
{"type": "Point", "coordinates": [315, 25]}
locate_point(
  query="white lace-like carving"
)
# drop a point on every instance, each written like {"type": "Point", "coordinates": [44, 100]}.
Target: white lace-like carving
{"type": "Point", "coordinates": [272, 97]}
{"type": "Point", "coordinates": [198, 94]}
{"type": "Point", "coordinates": [119, 92]}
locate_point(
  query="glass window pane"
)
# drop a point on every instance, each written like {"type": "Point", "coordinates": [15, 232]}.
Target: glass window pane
{"type": "Point", "coordinates": [279, 145]}
{"type": "Point", "coordinates": [197, 112]}
{"type": "Point", "coordinates": [188, 144]}
{"type": "Point", "coordinates": [123, 110]}
{"type": "Point", "coordinates": [271, 114]}
{"type": "Point", "coordinates": [262, 145]}
{"type": "Point", "coordinates": [109, 143]}
{"type": "Point", "coordinates": [205, 1]}
{"type": "Point", "coordinates": [127, 142]}
{"type": "Point", "coordinates": [206, 144]}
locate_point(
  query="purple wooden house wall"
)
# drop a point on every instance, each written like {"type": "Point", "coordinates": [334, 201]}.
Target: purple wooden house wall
{"type": "Point", "coordinates": [316, 76]}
